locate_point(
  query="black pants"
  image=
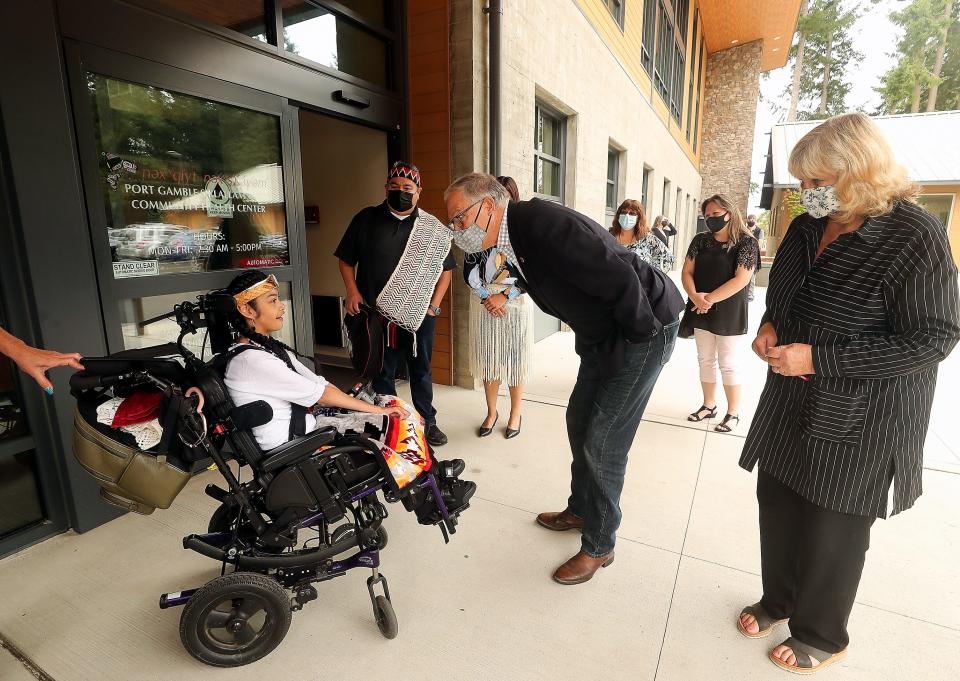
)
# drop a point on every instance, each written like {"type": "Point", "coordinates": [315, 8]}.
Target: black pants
{"type": "Point", "coordinates": [812, 559]}
{"type": "Point", "coordinates": [418, 368]}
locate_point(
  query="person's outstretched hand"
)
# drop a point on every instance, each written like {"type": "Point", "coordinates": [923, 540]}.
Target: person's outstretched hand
{"type": "Point", "coordinates": [35, 363]}
{"type": "Point", "coordinates": [399, 412]}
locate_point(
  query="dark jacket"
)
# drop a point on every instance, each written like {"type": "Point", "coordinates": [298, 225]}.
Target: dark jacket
{"type": "Point", "coordinates": [575, 270]}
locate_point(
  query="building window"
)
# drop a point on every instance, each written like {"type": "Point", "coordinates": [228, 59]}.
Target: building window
{"type": "Point", "coordinates": [663, 70]}
{"type": "Point", "coordinates": [681, 10]}
{"type": "Point", "coordinates": [548, 166]}
{"type": "Point", "coordinates": [663, 47]}
{"type": "Point", "coordinates": [676, 91]}
{"type": "Point", "coordinates": [648, 43]}
{"type": "Point", "coordinates": [343, 41]}
{"type": "Point", "coordinates": [644, 190]}
{"type": "Point", "coordinates": [940, 205]}
{"type": "Point", "coordinates": [665, 207]}
{"type": "Point", "coordinates": [677, 206]}
{"type": "Point", "coordinates": [616, 9]}
{"type": "Point", "coordinates": [613, 174]}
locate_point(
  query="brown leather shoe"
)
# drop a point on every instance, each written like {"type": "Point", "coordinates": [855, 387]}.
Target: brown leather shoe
{"type": "Point", "coordinates": [558, 522]}
{"type": "Point", "coordinates": [581, 568]}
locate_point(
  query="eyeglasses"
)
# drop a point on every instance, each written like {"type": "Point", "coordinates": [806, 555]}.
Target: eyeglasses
{"type": "Point", "coordinates": [456, 222]}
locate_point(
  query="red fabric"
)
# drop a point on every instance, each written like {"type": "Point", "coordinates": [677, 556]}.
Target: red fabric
{"type": "Point", "coordinates": [138, 408]}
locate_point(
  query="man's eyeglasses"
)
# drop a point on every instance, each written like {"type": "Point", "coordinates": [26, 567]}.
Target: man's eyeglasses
{"type": "Point", "coordinates": [456, 222]}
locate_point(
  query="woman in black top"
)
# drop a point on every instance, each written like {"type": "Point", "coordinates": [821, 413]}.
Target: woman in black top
{"type": "Point", "coordinates": [718, 267]}
{"type": "Point", "coordinates": [862, 306]}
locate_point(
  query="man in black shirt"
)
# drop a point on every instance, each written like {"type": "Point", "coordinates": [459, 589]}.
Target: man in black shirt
{"type": "Point", "coordinates": [624, 313]}
{"type": "Point", "coordinates": [407, 287]}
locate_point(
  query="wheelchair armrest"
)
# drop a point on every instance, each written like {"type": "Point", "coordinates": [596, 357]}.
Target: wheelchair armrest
{"type": "Point", "coordinates": [297, 449]}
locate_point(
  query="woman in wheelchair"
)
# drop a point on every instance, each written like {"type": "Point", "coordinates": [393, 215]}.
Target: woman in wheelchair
{"type": "Point", "coordinates": [310, 485]}
{"type": "Point", "coordinates": [262, 368]}
{"type": "Point", "coordinates": [274, 374]}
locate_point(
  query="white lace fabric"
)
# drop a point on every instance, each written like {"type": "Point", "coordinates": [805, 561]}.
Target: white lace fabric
{"type": "Point", "coordinates": [147, 434]}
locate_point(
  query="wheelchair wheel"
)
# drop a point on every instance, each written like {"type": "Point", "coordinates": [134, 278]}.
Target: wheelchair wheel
{"type": "Point", "coordinates": [386, 617]}
{"type": "Point", "coordinates": [235, 619]}
{"type": "Point", "coordinates": [345, 531]}
{"type": "Point", "coordinates": [222, 518]}
{"type": "Point", "coordinates": [342, 532]}
{"type": "Point", "coordinates": [382, 538]}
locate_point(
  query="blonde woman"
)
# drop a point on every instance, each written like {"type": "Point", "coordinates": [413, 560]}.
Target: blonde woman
{"type": "Point", "coordinates": [718, 267]}
{"type": "Point", "coordinates": [862, 305]}
{"type": "Point", "coordinates": [501, 338]}
{"type": "Point", "coordinates": [663, 229]}
{"type": "Point", "coordinates": [631, 230]}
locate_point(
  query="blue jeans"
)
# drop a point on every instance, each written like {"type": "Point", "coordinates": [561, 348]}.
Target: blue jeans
{"type": "Point", "coordinates": [418, 369]}
{"type": "Point", "coordinates": [602, 419]}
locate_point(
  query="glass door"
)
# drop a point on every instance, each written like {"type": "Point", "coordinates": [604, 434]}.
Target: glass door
{"type": "Point", "coordinates": [188, 181]}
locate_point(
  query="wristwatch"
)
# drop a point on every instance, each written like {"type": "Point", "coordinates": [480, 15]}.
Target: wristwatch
{"type": "Point", "coordinates": [435, 310]}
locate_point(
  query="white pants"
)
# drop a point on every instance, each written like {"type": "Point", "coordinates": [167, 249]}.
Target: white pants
{"type": "Point", "coordinates": [723, 350]}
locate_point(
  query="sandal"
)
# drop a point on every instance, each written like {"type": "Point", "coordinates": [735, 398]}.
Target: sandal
{"type": "Point", "coordinates": [764, 621]}
{"type": "Point", "coordinates": [711, 414]}
{"type": "Point", "coordinates": [723, 426]}
{"type": "Point", "coordinates": [806, 656]}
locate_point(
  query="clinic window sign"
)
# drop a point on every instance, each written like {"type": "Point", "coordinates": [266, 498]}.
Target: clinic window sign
{"type": "Point", "coordinates": [188, 184]}
{"type": "Point", "coordinates": [136, 268]}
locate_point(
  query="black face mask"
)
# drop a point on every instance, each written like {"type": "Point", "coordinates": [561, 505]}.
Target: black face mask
{"type": "Point", "coordinates": [751, 223]}
{"type": "Point", "coordinates": [400, 200]}
{"type": "Point", "coordinates": [716, 223]}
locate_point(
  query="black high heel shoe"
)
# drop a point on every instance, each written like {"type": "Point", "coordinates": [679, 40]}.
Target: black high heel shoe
{"type": "Point", "coordinates": [510, 433]}
{"type": "Point", "coordinates": [483, 431]}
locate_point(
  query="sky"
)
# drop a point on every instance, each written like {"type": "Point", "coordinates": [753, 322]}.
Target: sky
{"type": "Point", "coordinates": [874, 36]}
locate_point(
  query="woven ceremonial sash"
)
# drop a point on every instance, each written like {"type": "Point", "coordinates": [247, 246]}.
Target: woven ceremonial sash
{"type": "Point", "coordinates": [406, 297]}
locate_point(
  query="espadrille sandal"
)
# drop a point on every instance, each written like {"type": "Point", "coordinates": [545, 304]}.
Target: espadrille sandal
{"type": "Point", "coordinates": [764, 621]}
{"type": "Point", "coordinates": [809, 660]}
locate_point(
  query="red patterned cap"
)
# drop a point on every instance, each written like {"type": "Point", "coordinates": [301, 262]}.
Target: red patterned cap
{"type": "Point", "coordinates": [405, 170]}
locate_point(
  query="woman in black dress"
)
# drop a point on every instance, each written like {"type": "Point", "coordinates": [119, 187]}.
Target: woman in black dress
{"type": "Point", "coordinates": [717, 270]}
{"type": "Point", "coordinates": [862, 306]}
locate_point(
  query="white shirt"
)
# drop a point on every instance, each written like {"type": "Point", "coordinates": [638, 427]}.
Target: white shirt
{"type": "Point", "coordinates": [259, 375]}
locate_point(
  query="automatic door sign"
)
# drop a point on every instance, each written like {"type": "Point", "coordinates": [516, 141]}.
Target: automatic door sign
{"type": "Point", "coordinates": [219, 198]}
{"type": "Point", "coordinates": [136, 268]}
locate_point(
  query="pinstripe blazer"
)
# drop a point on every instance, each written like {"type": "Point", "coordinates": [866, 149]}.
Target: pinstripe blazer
{"type": "Point", "coordinates": [880, 308]}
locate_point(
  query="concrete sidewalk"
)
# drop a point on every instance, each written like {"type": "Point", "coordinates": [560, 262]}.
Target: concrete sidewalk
{"type": "Point", "coordinates": [483, 607]}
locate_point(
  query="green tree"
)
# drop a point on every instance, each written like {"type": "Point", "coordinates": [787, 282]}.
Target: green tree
{"type": "Point", "coordinates": [948, 95]}
{"type": "Point", "coordinates": [822, 57]}
{"type": "Point", "coordinates": [791, 201]}
{"type": "Point", "coordinates": [926, 56]}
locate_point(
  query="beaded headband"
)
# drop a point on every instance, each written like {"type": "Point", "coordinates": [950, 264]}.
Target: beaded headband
{"type": "Point", "coordinates": [404, 170]}
{"type": "Point", "coordinates": [257, 290]}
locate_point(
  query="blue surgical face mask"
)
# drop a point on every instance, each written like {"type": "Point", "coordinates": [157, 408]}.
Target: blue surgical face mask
{"type": "Point", "coordinates": [627, 221]}
{"type": "Point", "coordinates": [470, 240]}
{"type": "Point", "coordinates": [820, 201]}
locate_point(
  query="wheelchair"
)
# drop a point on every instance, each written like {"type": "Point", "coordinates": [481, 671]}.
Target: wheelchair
{"type": "Point", "coordinates": [327, 486]}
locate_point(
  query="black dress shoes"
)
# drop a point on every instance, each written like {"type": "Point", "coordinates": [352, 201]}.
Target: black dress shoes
{"type": "Point", "coordinates": [483, 431]}
{"type": "Point", "coordinates": [435, 436]}
{"type": "Point", "coordinates": [510, 433]}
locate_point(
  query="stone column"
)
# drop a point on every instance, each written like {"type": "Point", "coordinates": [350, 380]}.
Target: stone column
{"type": "Point", "coordinates": [730, 109]}
{"type": "Point", "coordinates": [468, 146]}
